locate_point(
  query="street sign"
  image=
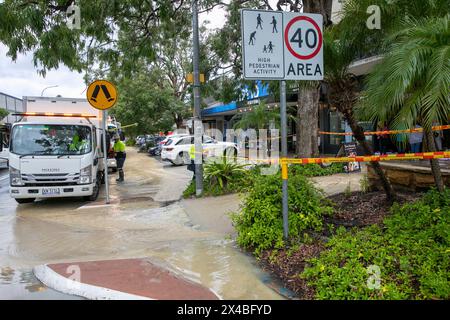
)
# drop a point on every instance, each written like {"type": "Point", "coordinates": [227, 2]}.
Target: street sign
{"type": "Point", "coordinates": [278, 45]}
{"type": "Point", "coordinates": [303, 57]}
{"type": "Point", "coordinates": [102, 94]}
{"type": "Point", "coordinates": [262, 44]}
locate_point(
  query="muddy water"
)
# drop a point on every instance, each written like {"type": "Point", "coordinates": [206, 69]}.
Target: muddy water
{"type": "Point", "coordinates": [144, 220]}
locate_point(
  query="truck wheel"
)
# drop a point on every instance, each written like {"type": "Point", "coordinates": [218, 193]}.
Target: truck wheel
{"type": "Point", "coordinates": [28, 200]}
{"type": "Point", "coordinates": [95, 192]}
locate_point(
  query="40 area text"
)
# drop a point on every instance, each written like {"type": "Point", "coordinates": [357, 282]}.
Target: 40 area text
{"type": "Point", "coordinates": [225, 309]}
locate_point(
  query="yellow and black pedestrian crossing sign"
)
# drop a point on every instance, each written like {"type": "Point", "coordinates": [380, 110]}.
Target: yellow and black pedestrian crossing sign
{"type": "Point", "coordinates": [102, 94]}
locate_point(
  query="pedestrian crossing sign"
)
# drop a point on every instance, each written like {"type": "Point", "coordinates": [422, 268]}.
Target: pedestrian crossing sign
{"type": "Point", "coordinates": [101, 94]}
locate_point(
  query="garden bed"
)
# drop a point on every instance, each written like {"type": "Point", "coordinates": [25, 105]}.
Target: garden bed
{"type": "Point", "coordinates": [363, 209]}
{"type": "Point", "coordinates": [360, 210]}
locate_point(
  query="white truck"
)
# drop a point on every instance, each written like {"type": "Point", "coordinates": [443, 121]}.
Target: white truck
{"type": "Point", "coordinates": [56, 150]}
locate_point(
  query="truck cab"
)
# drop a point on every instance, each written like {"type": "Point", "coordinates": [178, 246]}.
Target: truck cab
{"type": "Point", "coordinates": [55, 155]}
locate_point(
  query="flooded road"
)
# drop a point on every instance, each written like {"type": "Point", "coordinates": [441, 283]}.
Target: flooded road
{"type": "Point", "coordinates": [144, 219]}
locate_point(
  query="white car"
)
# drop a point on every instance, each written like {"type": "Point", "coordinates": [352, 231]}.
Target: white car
{"type": "Point", "coordinates": [176, 150]}
{"type": "Point", "coordinates": [172, 137]}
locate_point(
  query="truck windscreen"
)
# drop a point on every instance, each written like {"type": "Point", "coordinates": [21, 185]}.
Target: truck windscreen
{"type": "Point", "coordinates": [38, 139]}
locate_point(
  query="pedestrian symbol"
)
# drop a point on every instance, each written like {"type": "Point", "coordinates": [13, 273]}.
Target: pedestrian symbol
{"type": "Point", "coordinates": [101, 94]}
{"type": "Point", "coordinates": [105, 92]}
{"type": "Point", "coordinates": [252, 38]}
{"type": "Point", "coordinates": [270, 47]}
{"type": "Point", "coordinates": [274, 23]}
{"type": "Point", "coordinates": [259, 22]}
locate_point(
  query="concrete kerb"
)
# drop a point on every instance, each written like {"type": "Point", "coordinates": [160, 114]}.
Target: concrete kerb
{"type": "Point", "coordinates": [65, 285]}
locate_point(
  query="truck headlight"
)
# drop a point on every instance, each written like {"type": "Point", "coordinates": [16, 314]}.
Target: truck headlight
{"type": "Point", "coordinates": [86, 175]}
{"type": "Point", "coordinates": [15, 178]}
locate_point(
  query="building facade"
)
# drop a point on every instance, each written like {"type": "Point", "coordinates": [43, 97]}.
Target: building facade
{"type": "Point", "coordinates": [12, 105]}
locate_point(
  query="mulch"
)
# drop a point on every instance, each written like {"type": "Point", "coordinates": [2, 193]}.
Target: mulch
{"type": "Point", "coordinates": [356, 209]}
{"type": "Point", "coordinates": [360, 209]}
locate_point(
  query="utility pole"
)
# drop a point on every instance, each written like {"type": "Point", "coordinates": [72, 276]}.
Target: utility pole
{"type": "Point", "coordinates": [198, 127]}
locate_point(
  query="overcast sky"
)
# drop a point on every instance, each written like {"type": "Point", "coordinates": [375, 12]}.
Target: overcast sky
{"type": "Point", "coordinates": [20, 78]}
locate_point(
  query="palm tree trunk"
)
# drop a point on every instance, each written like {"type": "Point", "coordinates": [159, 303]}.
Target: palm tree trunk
{"type": "Point", "coordinates": [435, 168]}
{"type": "Point", "coordinates": [358, 133]}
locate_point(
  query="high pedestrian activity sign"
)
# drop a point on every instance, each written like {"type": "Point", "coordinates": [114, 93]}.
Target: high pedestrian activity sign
{"type": "Point", "coordinates": [279, 45]}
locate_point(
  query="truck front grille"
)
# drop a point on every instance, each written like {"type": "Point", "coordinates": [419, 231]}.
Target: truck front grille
{"type": "Point", "coordinates": [50, 179]}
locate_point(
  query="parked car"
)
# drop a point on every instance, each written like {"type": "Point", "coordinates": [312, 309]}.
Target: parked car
{"type": "Point", "coordinates": [176, 150]}
{"type": "Point", "coordinates": [156, 149]}
{"type": "Point", "coordinates": [173, 136]}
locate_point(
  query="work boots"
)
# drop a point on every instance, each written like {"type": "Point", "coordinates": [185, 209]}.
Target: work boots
{"type": "Point", "coordinates": [121, 176]}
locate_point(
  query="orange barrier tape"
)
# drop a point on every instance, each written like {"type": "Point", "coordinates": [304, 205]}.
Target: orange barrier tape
{"type": "Point", "coordinates": [389, 157]}
{"type": "Point", "coordinates": [369, 133]}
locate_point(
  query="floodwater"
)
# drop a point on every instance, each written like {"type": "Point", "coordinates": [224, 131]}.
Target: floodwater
{"type": "Point", "coordinates": [144, 219]}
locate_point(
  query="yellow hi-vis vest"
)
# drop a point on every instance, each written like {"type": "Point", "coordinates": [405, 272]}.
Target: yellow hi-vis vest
{"type": "Point", "coordinates": [192, 152]}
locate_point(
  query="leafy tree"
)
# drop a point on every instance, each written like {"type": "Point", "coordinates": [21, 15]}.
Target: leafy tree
{"type": "Point", "coordinates": [142, 102]}
{"type": "Point", "coordinates": [351, 39]}
{"type": "Point", "coordinates": [412, 84]}
{"type": "Point", "coordinates": [258, 118]}
{"type": "Point", "coordinates": [112, 32]}
{"type": "Point", "coordinates": [343, 95]}
{"type": "Point", "coordinates": [3, 113]}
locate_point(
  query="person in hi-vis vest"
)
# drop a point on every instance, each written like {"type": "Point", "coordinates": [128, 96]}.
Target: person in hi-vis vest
{"type": "Point", "coordinates": [120, 155]}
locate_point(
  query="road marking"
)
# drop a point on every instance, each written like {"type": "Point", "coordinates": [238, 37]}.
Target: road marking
{"type": "Point", "coordinates": [93, 206]}
{"type": "Point", "coordinates": [4, 177]}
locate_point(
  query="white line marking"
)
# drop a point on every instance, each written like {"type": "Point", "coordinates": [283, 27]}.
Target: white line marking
{"type": "Point", "coordinates": [94, 206]}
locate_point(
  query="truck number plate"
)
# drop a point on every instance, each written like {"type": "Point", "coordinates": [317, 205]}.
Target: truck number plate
{"type": "Point", "coordinates": [50, 191]}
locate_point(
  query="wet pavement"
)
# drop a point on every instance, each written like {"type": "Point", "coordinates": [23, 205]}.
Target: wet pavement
{"type": "Point", "coordinates": [144, 220]}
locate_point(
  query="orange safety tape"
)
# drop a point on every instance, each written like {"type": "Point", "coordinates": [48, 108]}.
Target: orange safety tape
{"type": "Point", "coordinates": [389, 157]}
{"type": "Point", "coordinates": [369, 133]}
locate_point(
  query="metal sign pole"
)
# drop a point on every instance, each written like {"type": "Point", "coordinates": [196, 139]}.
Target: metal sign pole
{"type": "Point", "coordinates": [105, 154]}
{"type": "Point", "coordinates": [283, 156]}
{"type": "Point", "coordinates": [198, 162]}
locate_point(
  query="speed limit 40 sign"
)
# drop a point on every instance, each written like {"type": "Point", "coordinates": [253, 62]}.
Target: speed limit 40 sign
{"type": "Point", "coordinates": [282, 45]}
{"type": "Point", "coordinates": [303, 40]}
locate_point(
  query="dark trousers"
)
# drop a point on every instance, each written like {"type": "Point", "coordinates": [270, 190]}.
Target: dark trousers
{"type": "Point", "coordinates": [120, 159]}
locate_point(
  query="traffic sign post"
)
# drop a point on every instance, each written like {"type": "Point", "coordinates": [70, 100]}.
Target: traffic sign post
{"type": "Point", "coordinates": [102, 95]}
{"type": "Point", "coordinates": [278, 45]}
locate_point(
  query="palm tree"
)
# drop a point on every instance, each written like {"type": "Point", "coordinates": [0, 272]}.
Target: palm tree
{"type": "Point", "coordinates": [412, 84]}
{"type": "Point", "coordinates": [260, 117]}
{"type": "Point", "coordinates": [343, 95]}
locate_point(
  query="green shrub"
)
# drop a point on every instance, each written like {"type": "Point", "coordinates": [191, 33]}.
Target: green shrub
{"type": "Point", "coordinates": [221, 171]}
{"type": "Point", "coordinates": [239, 179]}
{"type": "Point", "coordinates": [412, 250]}
{"type": "Point", "coordinates": [315, 170]}
{"type": "Point", "coordinates": [260, 225]}
{"type": "Point", "coordinates": [130, 143]}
